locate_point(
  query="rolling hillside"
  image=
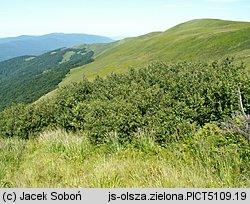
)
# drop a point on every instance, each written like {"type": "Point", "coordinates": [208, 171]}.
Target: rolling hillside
{"type": "Point", "coordinates": [196, 40]}
{"type": "Point", "coordinates": [203, 39]}
{"type": "Point", "coordinates": [37, 45]}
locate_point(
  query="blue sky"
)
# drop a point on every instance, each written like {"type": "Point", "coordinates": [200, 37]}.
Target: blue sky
{"type": "Point", "coordinates": [111, 17]}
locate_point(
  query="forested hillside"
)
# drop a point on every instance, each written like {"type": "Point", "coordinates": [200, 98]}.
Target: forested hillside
{"type": "Point", "coordinates": [25, 79]}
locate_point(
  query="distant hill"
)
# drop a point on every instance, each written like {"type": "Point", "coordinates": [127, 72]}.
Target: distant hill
{"type": "Point", "coordinates": [202, 39]}
{"type": "Point", "coordinates": [25, 79]}
{"type": "Point", "coordinates": [35, 45]}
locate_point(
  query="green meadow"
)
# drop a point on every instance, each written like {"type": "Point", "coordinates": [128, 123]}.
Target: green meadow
{"type": "Point", "coordinates": [196, 40]}
{"type": "Point", "coordinates": [60, 159]}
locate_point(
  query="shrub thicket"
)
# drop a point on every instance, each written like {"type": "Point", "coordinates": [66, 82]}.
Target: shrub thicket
{"type": "Point", "coordinates": [25, 121]}
{"type": "Point", "coordinates": [166, 100]}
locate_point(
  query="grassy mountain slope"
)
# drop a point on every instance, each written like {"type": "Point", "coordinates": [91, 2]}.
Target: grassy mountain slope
{"type": "Point", "coordinates": [25, 79]}
{"type": "Point", "coordinates": [58, 159]}
{"type": "Point", "coordinates": [36, 45]}
{"type": "Point", "coordinates": [205, 39]}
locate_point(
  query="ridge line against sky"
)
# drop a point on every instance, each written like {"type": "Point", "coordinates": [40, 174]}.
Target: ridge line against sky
{"type": "Point", "coordinates": [111, 17]}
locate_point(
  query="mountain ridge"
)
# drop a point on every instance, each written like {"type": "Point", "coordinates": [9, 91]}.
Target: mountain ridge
{"type": "Point", "coordinates": [197, 40]}
{"type": "Point", "coordinates": [200, 39]}
{"type": "Point", "coordinates": [36, 45]}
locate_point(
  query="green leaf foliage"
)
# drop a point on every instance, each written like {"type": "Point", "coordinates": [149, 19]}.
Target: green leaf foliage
{"type": "Point", "coordinates": [168, 101]}
{"type": "Point", "coordinates": [26, 121]}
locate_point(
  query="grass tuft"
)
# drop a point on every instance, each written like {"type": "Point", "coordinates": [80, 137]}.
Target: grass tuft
{"type": "Point", "coordinates": [60, 159]}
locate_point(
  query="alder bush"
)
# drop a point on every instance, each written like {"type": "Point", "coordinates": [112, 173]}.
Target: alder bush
{"type": "Point", "coordinates": [169, 101]}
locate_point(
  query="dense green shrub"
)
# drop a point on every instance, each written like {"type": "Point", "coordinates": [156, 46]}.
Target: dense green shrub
{"type": "Point", "coordinates": [166, 100]}
{"type": "Point", "coordinates": [169, 101]}
{"type": "Point", "coordinates": [26, 121]}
